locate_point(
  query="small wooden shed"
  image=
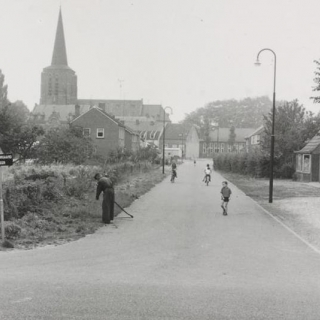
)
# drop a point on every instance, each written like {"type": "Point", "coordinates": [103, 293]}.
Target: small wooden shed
{"type": "Point", "coordinates": [307, 161]}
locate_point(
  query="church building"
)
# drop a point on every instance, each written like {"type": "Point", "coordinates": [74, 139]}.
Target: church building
{"type": "Point", "coordinates": [60, 105]}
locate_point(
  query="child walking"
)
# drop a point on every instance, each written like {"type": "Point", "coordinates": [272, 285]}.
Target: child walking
{"type": "Point", "coordinates": [225, 197]}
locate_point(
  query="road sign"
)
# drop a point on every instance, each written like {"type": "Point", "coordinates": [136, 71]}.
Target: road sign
{"type": "Point", "coordinates": [6, 159]}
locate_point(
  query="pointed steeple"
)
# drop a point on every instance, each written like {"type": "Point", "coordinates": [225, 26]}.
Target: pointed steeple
{"type": "Point", "coordinates": [59, 56]}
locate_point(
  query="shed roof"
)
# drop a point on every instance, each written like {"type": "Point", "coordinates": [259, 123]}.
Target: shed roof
{"type": "Point", "coordinates": [311, 145]}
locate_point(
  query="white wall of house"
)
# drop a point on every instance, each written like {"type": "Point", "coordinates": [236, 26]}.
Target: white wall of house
{"type": "Point", "coordinates": [192, 144]}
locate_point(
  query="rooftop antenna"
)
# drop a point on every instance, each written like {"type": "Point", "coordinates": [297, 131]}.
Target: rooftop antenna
{"type": "Point", "coordinates": [121, 96]}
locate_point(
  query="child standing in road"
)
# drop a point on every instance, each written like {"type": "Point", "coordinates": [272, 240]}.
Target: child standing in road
{"type": "Point", "coordinates": [225, 197]}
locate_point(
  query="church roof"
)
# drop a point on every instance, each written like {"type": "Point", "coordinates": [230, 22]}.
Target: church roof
{"type": "Point", "coordinates": [65, 111]}
{"type": "Point", "coordinates": [116, 107]}
{"type": "Point", "coordinates": [59, 56]}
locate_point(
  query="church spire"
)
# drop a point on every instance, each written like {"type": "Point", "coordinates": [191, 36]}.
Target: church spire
{"type": "Point", "coordinates": [59, 56]}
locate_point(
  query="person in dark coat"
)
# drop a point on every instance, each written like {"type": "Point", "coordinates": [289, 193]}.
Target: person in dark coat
{"type": "Point", "coordinates": [105, 185]}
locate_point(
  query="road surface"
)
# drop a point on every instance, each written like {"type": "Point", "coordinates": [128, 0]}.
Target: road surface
{"type": "Point", "coordinates": [179, 258]}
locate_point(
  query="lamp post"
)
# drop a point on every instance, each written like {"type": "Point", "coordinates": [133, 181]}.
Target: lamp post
{"type": "Point", "coordinates": [181, 135]}
{"type": "Point", "coordinates": [164, 136]}
{"type": "Point", "coordinates": [257, 63]}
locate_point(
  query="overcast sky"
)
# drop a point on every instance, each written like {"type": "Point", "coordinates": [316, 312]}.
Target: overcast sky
{"type": "Point", "coordinates": [178, 53]}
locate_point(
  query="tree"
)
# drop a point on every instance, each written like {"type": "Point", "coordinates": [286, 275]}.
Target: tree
{"type": "Point", "coordinates": [16, 135]}
{"type": "Point", "coordinates": [22, 141]}
{"type": "Point", "coordinates": [289, 128]}
{"type": "Point", "coordinates": [3, 91]}
{"type": "Point", "coordinates": [246, 113]}
{"type": "Point", "coordinates": [317, 81]}
{"type": "Point", "coordinates": [232, 137]}
{"type": "Point", "coordinates": [65, 145]}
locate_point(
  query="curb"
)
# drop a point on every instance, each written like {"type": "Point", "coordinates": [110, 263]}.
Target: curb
{"type": "Point", "coordinates": [285, 226]}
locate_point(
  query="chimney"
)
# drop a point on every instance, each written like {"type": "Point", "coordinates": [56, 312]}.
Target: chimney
{"type": "Point", "coordinates": [102, 105]}
{"type": "Point", "coordinates": [77, 110]}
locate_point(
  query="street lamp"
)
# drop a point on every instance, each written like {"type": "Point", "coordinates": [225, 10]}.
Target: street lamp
{"type": "Point", "coordinates": [257, 63]}
{"type": "Point", "coordinates": [164, 136]}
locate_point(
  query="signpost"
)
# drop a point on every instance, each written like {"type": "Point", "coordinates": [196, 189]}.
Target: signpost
{"type": "Point", "coordinates": [5, 160]}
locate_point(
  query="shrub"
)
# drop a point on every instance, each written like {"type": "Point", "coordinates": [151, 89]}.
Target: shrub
{"type": "Point", "coordinates": [12, 230]}
{"type": "Point", "coordinates": [287, 170]}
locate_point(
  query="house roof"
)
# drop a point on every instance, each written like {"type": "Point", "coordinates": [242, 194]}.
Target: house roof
{"type": "Point", "coordinates": [174, 130]}
{"type": "Point", "coordinates": [257, 131]}
{"type": "Point", "coordinates": [155, 111]}
{"type": "Point", "coordinates": [224, 133]}
{"type": "Point", "coordinates": [150, 135]}
{"type": "Point", "coordinates": [311, 145]}
{"type": "Point", "coordinates": [95, 109]}
{"type": "Point", "coordinates": [143, 125]}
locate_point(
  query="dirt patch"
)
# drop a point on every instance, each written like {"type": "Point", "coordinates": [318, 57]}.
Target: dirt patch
{"type": "Point", "coordinates": [70, 219]}
{"type": "Point", "coordinates": [296, 204]}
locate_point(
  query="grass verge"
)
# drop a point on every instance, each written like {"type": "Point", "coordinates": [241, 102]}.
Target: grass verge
{"type": "Point", "coordinates": [295, 203]}
{"type": "Point", "coordinates": [71, 218]}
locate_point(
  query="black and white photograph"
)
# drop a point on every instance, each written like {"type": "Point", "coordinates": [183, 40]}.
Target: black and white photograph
{"type": "Point", "coordinates": [159, 160]}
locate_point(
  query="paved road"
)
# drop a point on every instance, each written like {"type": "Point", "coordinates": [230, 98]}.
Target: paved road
{"type": "Point", "coordinates": [179, 258]}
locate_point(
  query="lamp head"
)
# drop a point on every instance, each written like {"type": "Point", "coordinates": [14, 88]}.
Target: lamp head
{"type": "Point", "coordinates": [257, 63]}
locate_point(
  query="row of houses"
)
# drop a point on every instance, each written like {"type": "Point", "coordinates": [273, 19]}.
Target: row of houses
{"type": "Point", "coordinates": [109, 133]}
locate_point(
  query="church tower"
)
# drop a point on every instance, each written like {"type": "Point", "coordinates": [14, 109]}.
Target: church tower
{"type": "Point", "coordinates": [58, 81]}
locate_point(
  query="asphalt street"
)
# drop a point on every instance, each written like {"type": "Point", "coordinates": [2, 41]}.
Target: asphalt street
{"type": "Point", "coordinates": [179, 258]}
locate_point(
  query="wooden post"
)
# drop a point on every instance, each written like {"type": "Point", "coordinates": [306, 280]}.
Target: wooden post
{"type": "Point", "coordinates": [1, 208]}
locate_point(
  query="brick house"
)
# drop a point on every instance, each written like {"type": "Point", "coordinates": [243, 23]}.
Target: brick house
{"type": "Point", "coordinates": [106, 131]}
{"type": "Point", "coordinates": [131, 140]}
{"type": "Point", "coordinates": [198, 147]}
{"type": "Point", "coordinates": [175, 137]}
{"type": "Point", "coordinates": [219, 141]}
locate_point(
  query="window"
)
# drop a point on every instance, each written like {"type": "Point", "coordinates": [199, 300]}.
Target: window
{"type": "Point", "coordinates": [86, 132]}
{"type": "Point", "coordinates": [204, 147]}
{"type": "Point", "coordinates": [306, 163]}
{"type": "Point", "coordinates": [100, 133]}
{"type": "Point", "coordinates": [299, 162]}
{"type": "Point", "coordinates": [174, 146]}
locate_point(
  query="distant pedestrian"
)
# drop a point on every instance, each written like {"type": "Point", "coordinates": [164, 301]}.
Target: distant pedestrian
{"type": "Point", "coordinates": [194, 162]}
{"type": "Point", "coordinates": [105, 185]}
{"type": "Point", "coordinates": [225, 197]}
